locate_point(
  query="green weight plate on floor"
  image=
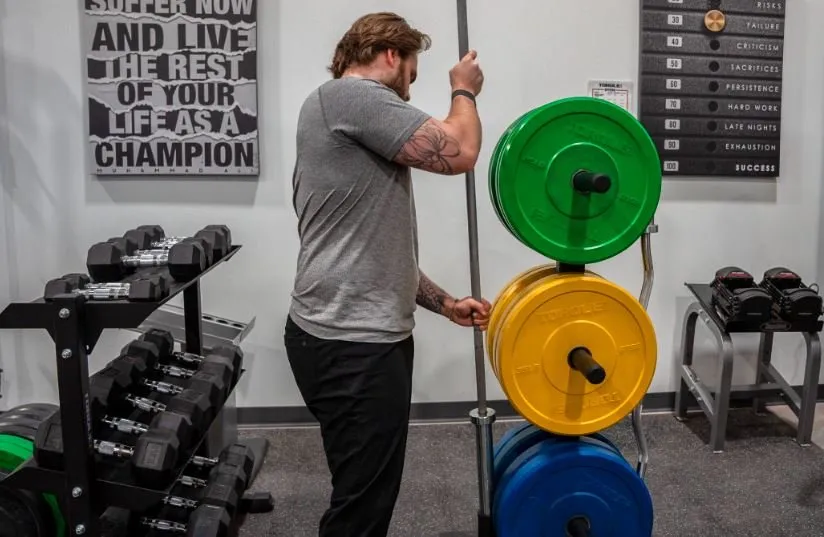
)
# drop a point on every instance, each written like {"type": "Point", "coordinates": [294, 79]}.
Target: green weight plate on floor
{"type": "Point", "coordinates": [547, 162]}
{"type": "Point", "coordinates": [15, 451]}
{"type": "Point", "coordinates": [35, 411]}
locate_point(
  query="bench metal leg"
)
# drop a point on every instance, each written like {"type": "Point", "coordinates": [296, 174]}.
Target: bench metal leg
{"type": "Point", "coordinates": [765, 348]}
{"type": "Point", "coordinates": [687, 346]}
{"type": "Point", "coordinates": [722, 394]}
{"type": "Point", "coordinates": [715, 408]}
{"type": "Point", "coordinates": [809, 391]}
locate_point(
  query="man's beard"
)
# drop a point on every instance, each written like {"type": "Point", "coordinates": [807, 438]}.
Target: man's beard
{"type": "Point", "coordinates": [395, 83]}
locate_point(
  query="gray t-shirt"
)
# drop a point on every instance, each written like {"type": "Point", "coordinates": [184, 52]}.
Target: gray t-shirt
{"type": "Point", "coordinates": [357, 270]}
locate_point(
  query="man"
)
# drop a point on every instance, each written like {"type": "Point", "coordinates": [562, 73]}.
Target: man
{"type": "Point", "coordinates": [348, 335]}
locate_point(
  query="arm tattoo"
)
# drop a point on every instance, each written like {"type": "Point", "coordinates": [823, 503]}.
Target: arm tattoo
{"type": "Point", "coordinates": [430, 148]}
{"type": "Point", "coordinates": [430, 296]}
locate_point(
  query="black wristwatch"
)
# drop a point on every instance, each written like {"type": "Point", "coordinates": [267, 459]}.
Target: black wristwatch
{"type": "Point", "coordinates": [466, 93]}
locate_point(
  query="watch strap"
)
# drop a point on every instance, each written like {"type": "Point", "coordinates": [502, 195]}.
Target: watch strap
{"type": "Point", "coordinates": [466, 93]}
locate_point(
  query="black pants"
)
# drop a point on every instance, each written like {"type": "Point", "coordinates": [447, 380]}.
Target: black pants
{"type": "Point", "coordinates": [360, 393]}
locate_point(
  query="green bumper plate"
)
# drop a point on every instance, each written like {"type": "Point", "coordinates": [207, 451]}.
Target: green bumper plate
{"type": "Point", "coordinates": [15, 451]}
{"type": "Point", "coordinates": [535, 195]}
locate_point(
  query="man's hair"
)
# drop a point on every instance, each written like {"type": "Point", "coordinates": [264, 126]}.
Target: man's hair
{"type": "Point", "coordinates": [372, 34]}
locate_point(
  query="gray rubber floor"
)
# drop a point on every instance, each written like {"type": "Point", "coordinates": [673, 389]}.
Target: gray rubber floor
{"type": "Point", "coordinates": [763, 485]}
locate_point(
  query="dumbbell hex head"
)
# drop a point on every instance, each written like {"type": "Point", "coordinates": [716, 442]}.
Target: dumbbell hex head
{"type": "Point", "coordinates": [223, 229]}
{"type": "Point", "coordinates": [142, 238]}
{"type": "Point", "coordinates": [234, 353]}
{"type": "Point", "coordinates": [108, 387]}
{"type": "Point", "coordinates": [78, 280]}
{"type": "Point", "coordinates": [240, 455]}
{"type": "Point", "coordinates": [155, 457]}
{"type": "Point", "coordinates": [127, 244]}
{"type": "Point", "coordinates": [103, 262]}
{"type": "Point", "coordinates": [162, 339]}
{"type": "Point", "coordinates": [150, 289]}
{"type": "Point", "coordinates": [157, 233]}
{"type": "Point", "coordinates": [222, 492]}
{"type": "Point", "coordinates": [144, 350]}
{"type": "Point", "coordinates": [196, 407]}
{"type": "Point", "coordinates": [48, 443]}
{"type": "Point", "coordinates": [187, 260]}
{"type": "Point", "coordinates": [232, 475]}
{"type": "Point", "coordinates": [213, 385]}
{"type": "Point", "coordinates": [209, 521]}
{"type": "Point", "coordinates": [221, 367]}
{"type": "Point", "coordinates": [180, 426]}
{"type": "Point", "coordinates": [217, 241]}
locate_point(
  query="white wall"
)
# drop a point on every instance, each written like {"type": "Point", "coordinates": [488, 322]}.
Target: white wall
{"type": "Point", "coordinates": [53, 209]}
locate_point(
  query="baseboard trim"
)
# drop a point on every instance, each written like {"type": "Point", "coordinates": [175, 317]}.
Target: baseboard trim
{"type": "Point", "coordinates": [458, 410]}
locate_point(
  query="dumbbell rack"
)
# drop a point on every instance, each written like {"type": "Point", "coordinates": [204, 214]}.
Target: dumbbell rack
{"type": "Point", "coordinates": [75, 324]}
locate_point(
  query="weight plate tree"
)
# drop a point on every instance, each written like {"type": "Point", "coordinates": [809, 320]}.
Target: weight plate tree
{"type": "Point", "coordinates": [577, 180]}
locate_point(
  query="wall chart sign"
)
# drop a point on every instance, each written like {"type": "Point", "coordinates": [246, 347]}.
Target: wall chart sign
{"type": "Point", "coordinates": [710, 92]}
{"type": "Point", "coordinates": [172, 86]}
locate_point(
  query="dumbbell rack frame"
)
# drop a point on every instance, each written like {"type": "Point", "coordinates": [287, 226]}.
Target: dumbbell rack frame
{"type": "Point", "coordinates": [75, 324]}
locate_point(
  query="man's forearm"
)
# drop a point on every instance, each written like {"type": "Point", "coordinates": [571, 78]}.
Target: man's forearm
{"type": "Point", "coordinates": [463, 117]}
{"type": "Point", "coordinates": [433, 298]}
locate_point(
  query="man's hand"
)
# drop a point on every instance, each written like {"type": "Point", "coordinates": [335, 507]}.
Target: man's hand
{"type": "Point", "coordinates": [469, 312]}
{"type": "Point", "coordinates": [467, 74]}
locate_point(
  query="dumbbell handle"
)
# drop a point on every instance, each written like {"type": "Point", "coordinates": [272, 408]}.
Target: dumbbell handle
{"type": "Point", "coordinates": [144, 404]}
{"type": "Point", "coordinates": [174, 371]}
{"type": "Point", "coordinates": [149, 260]}
{"type": "Point", "coordinates": [193, 482]}
{"type": "Point", "coordinates": [124, 425]}
{"type": "Point", "coordinates": [163, 525]}
{"type": "Point", "coordinates": [112, 285]}
{"type": "Point", "coordinates": [188, 357]}
{"type": "Point", "coordinates": [105, 293]}
{"type": "Point", "coordinates": [204, 462]}
{"type": "Point", "coordinates": [177, 501]}
{"type": "Point", "coordinates": [105, 447]}
{"type": "Point", "coordinates": [162, 387]}
{"type": "Point", "coordinates": [168, 242]}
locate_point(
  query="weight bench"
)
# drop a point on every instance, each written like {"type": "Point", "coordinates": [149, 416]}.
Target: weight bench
{"type": "Point", "coordinates": [768, 380]}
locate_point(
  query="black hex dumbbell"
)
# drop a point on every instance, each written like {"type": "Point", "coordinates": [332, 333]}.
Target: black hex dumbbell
{"type": "Point", "coordinates": [217, 237]}
{"type": "Point", "coordinates": [224, 488]}
{"type": "Point", "coordinates": [205, 521]}
{"type": "Point", "coordinates": [111, 386]}
{"type": "Point", "coordinates": [224, 361]}
{"type": "Point", "coordinates": [153, 459]}
{"type": "Point", "coordinates": [151, 288]}
{"type": "Point", "coordinates": [165, 343]}
{"type": "Point", "coordinates": [130, 371]}
{"type": "Point", "coordinates": [215, 369]}
{"type": "Point", "coordinates": [109, 393]}
{"type": "Point", "coordinates": [110, 261]}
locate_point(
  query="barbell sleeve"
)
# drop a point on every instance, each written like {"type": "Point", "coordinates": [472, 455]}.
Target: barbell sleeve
{"type": "Point", "coordinates": [580, 359]}
{"type": "Point", "coordinates": [578, 527]}
{"type": "Point", "coordinates": [588, 182]}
